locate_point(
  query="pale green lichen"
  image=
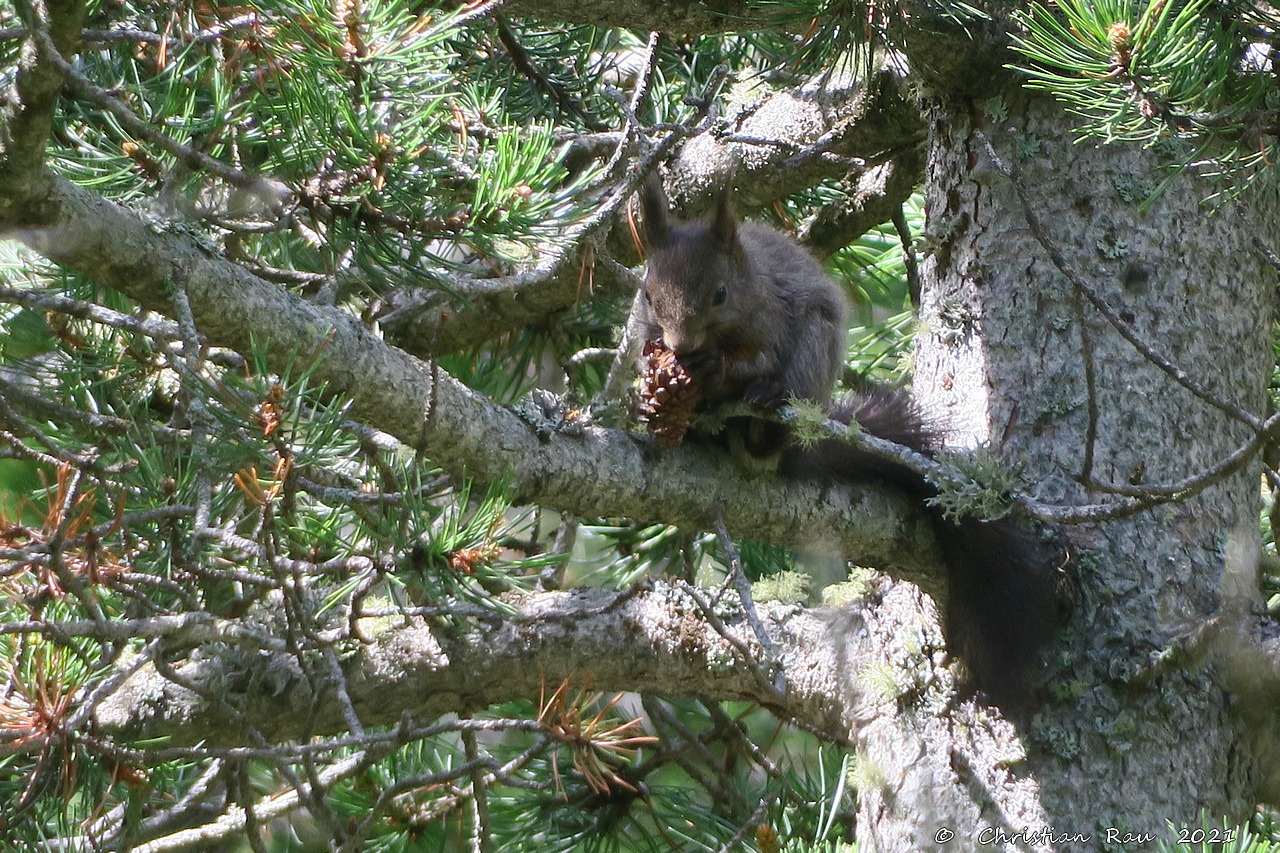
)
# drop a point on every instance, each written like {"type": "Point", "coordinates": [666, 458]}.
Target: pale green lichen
{"type": "Point", "coordinates": [787, 587]}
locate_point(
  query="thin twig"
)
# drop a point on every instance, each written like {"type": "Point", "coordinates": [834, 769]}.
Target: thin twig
{"type": "Point", "coordinates": [757, 817]}
{"type": "Point", "coordinates": [243, 791]}
{"type": "Point", "coordinates": [908, 255]}
{"type": "Point", "coordinates": [181, 811]}
{"type": "Point", "coordinates": [684, 747]}
{"type": "Point", "coordinates": [1091, 389]}
{"type": "Point", "coordinates": [180, 630]}
{"type": "Point", "coordinates": [53, 456]}
{"type": "Point", "coordinates": [479, 10]}
{"type": "Point", "coordinates": [740, 582]}
{"type": "Point", "coordinates": [190, 367]}
{"type": "Point", "coordinates": [540, 79]}
{"type": "Point", "coordinates": [377, 741]}
{"type": "Point", "coordinates": [644, 80]}
{"type": "Point", "coordinates": [99, 423]}
{"type": "Point", "coordinates": [1267, 251]}
{"type": "Point", "coordinates": [748, 658]}
{"type": "Point", "coordinates": [233, 822]}
{"type": "Point", "coordinates": [338, 679]}
{"type": "Point", "coordinates": [97, 36]}
{"type": "Point", "coordinates": [161, 329]}
{"type": "Point", "coordinates": [1264, 248]}
{"type": "Point", "coordinates": [481, 831]}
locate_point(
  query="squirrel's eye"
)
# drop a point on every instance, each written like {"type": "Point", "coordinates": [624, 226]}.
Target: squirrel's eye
{"type": "Point", "coordinates": [648, 300]}
{"type": "Point", "coordinates": [720, 295]}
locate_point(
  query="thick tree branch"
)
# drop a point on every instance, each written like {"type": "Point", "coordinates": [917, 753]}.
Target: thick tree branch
{"type": "Point", "coordinates": [657, 642]}
{"type": "Point", "coordinates": [27, 117]}
{"type": "Point", "coordinates": [795, 138]}
{"type": "Point", "coordinates": [595, 473]}
{"type": "Point", "coordinates": [877, 196]}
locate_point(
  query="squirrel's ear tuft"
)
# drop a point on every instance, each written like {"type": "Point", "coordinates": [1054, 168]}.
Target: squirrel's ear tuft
{"type": "Point", "coordinates": [724, 225]}
{"type": "Point", "coordinates": [653, 207]}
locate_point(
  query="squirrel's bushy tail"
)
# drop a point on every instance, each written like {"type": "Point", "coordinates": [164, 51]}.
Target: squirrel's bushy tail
{"type": "Point", "coordinates": [1002, 601]}
{"type": "Point", "coordinates": [1003, 582]}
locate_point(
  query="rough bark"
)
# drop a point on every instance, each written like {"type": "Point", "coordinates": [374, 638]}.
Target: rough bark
{"type": "Point", "coordinates": [658, 641]}
{"type": "Point", "coordinates": [830, 127]}
{"type": "Point", "coordinates": [25, 121]}
{"type": "Point", "coordinates": [1014, 356]}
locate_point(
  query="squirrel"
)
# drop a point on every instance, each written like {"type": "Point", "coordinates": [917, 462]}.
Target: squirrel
{"type": "Point", "coordinates": [753, 318]}
{"type": "Point", "coordinates": [748, 312]}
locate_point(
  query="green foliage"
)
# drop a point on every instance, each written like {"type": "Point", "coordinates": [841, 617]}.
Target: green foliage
{"type": "Point", "coordinates": [357, 122]}
{"type": "Point", "coordinates": [1148, 71]}
{"type": "Point", "coordinates": [825, 796]}
{"type": "Point", "coordinates": [883, 319]}
{"type": "Point", "coordinates": [354, 152]}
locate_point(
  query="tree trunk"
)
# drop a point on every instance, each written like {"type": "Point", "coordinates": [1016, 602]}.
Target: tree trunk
{"type": "Point", "coordinates": [1015, 356]}
{"type": "Point", "coordinates": [1086, 337]}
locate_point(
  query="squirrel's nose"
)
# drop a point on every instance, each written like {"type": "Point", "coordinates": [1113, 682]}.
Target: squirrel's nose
{"type": "Point", "coordinates": [683, 343]}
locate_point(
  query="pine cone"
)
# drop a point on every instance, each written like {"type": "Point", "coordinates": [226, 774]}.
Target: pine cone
{"type": "Point", "coordinates": [668, 395]}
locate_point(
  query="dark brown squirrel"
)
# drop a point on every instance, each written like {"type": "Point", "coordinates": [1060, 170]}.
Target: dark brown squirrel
{"type": "Point", "coordinates": [748, 312]}
{"type": "Point", "coordinates": [754, 318]}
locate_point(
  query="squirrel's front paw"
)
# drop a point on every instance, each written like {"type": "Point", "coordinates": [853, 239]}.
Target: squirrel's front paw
{"type": "Point", "coordinates": [701, 363]}
{"type": "Point", "coordinates": [766, 393]}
